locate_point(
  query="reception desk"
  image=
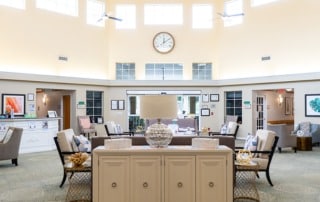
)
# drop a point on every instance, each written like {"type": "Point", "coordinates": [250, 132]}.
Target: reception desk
{"type": "Point", "coordinates": [37, 133]}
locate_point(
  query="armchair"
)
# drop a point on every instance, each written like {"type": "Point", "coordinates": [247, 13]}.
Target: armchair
{"type": "Point", "coordinates": [309, 129]}
{"type": "Point", "coordinates": [66, 146]}
{"type": "Point", "coordinates": [267, 143]}
{"type": "Point", "coordinates": [9, 146]}
{"type": "Point", "coordinates": [286, 139]}
{"type": "Point", "coordinates": [115, 129]}
{"type": "Point", "coordinates": [85, 126]}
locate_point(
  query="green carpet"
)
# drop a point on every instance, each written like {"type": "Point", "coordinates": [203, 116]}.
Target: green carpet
{"type": "Point", "coordinates": [296, 178]}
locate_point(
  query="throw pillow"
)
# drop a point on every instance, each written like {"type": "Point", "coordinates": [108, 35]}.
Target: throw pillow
{"type": "Point", "coordinates": [82, 143]}
{"type": "Point", "coordinates": [223, 129]}
{"type": "Point", "coordinates": [251, 143]}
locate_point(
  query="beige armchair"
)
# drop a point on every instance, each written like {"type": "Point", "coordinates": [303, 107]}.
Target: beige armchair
{"type": "Point", "coordinates": [9, 146]}
{"type": "Point", "coordinates": [86, 127]}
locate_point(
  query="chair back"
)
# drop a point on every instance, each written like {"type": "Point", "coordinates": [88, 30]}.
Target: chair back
{"type": "Point", "coordinates": [266, 139]}
{"type": "Point", "coordinates": [84, 122]}
{"type": "Point", "coordinates": [11, 143]}
{"type": "Point", "coordinates": [59, 150]}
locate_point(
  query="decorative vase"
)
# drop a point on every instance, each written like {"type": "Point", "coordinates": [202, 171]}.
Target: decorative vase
{"type": "Point", "coordinates": [158, 135]}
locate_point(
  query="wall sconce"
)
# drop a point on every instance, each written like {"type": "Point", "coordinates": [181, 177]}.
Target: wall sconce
{"type": "Point", "coordinates": [280, 99]}
{"type": "Point", "coordinates": [45, 99]}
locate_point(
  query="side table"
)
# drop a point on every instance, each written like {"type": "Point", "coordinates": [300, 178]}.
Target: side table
{"type": "Point", "coordinates": [245, 186]}
{"type": "Point", "coordinates": [304, 143]}
{"type": "Point", "coordinates": [79, 183]}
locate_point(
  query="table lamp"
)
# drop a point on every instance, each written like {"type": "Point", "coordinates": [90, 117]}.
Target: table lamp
{"type": "Point", "coordinates": [158, 107]}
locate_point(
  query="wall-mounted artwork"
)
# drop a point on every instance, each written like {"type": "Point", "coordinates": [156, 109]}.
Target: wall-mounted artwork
{"type": "Point", "coordinates": [312, 104]}
{"type": "Point", "coordinates": [15, 102]}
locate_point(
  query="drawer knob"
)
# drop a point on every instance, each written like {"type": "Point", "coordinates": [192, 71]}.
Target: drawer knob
{"type": "Point", "coordinates": [211, 184]}
{"type": "Point", "coordinates": [180, 184]}
{"type": "Point", "coordinates": [114, 185]}
{"type": "Point", "coordinates": [145, 185]}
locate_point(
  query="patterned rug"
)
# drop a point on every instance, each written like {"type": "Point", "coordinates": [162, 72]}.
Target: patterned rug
{"type": "Point", "coordinates": [296, 178]}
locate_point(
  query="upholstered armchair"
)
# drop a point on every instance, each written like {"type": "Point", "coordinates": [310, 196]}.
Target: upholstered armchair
{"type": "Point", "coordinates": [286, 139]}
{"type": "Point", "coordinates": [263, 154]}
{"type": "Point", "coordinates": [10, 144]}
{"type": "Point", "coordinates": [309, 129]}
{"type": "Point", "coordinates": [85, 126]}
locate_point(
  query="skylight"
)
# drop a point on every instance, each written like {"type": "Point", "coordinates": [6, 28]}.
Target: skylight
{"type": "Point", "coordinates": [19, 4]}
{"type": "Point", "coordinates": [201, 16]}
{"type": "Point", "coordinates": [163, 14]}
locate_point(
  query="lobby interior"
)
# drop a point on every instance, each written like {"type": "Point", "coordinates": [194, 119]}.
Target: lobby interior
{"type": "Point", "coordinates": [273, 51]}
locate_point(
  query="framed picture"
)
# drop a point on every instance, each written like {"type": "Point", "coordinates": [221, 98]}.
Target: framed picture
{"type": "Point", "coordinates": [121, 104]}
{"type": "Point", "coordinates": [214, 97]}
{"type": "Point", "coordinates": [114, 104]}
{"type": "Point", "coordinates": [288, 105]}
{"type": "Point", "coordinates": [15, 102]}
{"type": "Point", "coordinates": [52, 114]}
{"type": "Point", "coordinates": [312, 105]}
{"type": "Point", "coordinates": [205, 98]}
{"type": "Point", "coordinates": [205, 112]}
{"type": "Point", "coordinates": [30, 96]}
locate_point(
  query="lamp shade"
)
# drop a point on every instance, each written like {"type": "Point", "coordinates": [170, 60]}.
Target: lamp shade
{"type": "Point", "coordinates": [158, 106]}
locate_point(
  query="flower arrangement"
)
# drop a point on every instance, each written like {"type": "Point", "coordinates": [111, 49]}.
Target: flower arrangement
{"type": "Point", "coordinates": [78, 158]}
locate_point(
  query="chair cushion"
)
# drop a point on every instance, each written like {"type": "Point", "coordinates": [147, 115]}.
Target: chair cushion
{"type": "Point", "coordinates": [265, 141]}
{"type": "Point", "coordinates": [82, 143]}
{"type": "Point", "coordinates": [232, 126]}
{"type": "Point", "coordinates": [66, 141]}
{"type": "Point", "coordinates": [262, 162]}
{"type": "Point", "coordinates": [85, 123]}
{"type": "Point", "coordinates": [7, 136]}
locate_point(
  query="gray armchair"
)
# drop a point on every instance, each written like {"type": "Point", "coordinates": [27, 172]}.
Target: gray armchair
{"type": "Point", "coordinates": [286, 139]}
{"type": "Point", "coordinates": [9, 146]}
{"type": "Point", "coordinates": [310, 129]}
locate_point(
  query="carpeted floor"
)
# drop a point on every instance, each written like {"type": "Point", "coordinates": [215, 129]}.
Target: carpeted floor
{"type": "Point", "coordinates": [296, 178]}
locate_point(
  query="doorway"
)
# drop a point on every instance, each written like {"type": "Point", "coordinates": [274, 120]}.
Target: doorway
{"type": "Point", "coordinates": [66, 105]}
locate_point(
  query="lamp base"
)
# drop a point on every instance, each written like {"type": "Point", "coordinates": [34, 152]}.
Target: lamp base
{"type": "Point", "coordinates": [158, 135]}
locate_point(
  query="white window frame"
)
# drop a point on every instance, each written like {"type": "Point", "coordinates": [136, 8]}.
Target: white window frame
{"type": "Point", "coordinates": [19, 4]}
{"type": "Point", "coordinates": [163, 14]}
{"type": "Point", "coordinates": [233, 10]}
{"type": "Point", "coordinates": [202, 15]}
{"type": "Point", "coordinates": [126, 12]}
{"type": "Point", "coordinates": [66, 7]}
{"type": "Point", "coordinates": [255, 3]}
{"type": "Point", "coordinates": [95, 12]}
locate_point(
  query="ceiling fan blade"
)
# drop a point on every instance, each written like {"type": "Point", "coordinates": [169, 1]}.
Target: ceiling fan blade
{"type": "Point", "coordinates": [114, 18]}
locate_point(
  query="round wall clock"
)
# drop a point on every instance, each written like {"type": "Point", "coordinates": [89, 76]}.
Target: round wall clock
{"type": "Point", "coordinates": [163, 42]}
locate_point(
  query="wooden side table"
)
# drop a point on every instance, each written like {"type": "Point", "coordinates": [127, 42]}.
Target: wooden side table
{"type": "Point", "coordinates": [245, 186]}
{"type": "Point", "coordinates": [304, 143]}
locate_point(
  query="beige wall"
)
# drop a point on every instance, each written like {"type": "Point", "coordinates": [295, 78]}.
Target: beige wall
{"type": "Point", "coordinates": [302, 84]}
{"type": "Point", "coordinates": [32, 39]}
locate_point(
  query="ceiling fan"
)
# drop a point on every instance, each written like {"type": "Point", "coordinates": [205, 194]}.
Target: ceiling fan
{"type": "Point", "coordinates": [225, 15]}
{"type": "Point", "coordinates": [107, 16]}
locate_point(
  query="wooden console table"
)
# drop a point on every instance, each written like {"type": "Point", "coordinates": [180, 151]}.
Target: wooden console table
{"type": "Point", "coordinates": [176, 173]}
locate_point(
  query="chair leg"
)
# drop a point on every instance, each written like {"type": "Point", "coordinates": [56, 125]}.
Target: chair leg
{"type": "Point", "coordinates": [63, 179]}
{"type": "Point", "coordinates": [279, 149]}
{"type": "Point", "coordinates": [268, 177]}
{"type": "Point", "coordinates": [14, 161]}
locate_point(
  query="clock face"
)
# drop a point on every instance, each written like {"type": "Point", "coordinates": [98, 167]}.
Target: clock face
{"type": "Point", "coordinates": [163, 42]}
